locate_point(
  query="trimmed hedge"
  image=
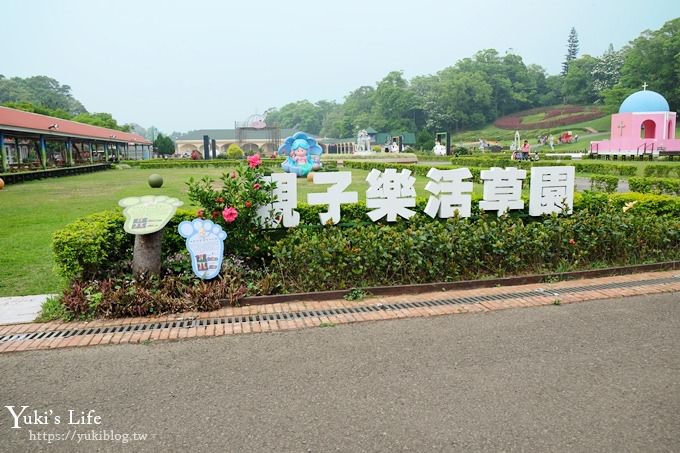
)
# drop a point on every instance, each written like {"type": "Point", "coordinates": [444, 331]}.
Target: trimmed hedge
{"type": "Point", "coordinates": [581, 166]}
{"type": "Point", "coordinates": [92, 245]}
{"type": "Point", "coordinates": [667, 186]}
{"type": "Point", "coordinates": [375, 156]}
{"type": "Point", "coordinates": [420, 170]}
{"type": "Point", "coordinates": [663, 170]}
{"type": "Point", "coordinates": [371, 255]}
{"type": "Point", "coordinates": [604, 183]}
{"type": "Point", "coordinates": [648, 204]}
{"type": "Point", "coordinates": [216, 163]}
{"type": "Point", "coordinates": [95, 245]}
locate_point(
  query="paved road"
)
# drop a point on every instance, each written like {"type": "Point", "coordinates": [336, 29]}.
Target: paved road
{"type": "Point", "coordinates": [597, 376]}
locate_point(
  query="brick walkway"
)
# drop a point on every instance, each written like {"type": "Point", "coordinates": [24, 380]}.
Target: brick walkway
{"type": "Point", "coordinates": [253, 319]}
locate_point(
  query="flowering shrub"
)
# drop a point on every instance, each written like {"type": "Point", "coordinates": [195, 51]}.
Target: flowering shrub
{"type": "Point", "coordinates": [234, 205]}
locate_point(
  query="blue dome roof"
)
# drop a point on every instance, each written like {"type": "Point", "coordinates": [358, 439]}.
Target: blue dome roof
{"type": "Point", "coordinates": [644, 101]}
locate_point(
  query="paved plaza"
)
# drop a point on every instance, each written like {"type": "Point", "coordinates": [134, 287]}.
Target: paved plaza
{"type": "Point", "coordinates": [594, 376]}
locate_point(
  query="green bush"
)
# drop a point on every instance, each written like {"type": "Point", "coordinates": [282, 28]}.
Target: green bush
{"type": "Point", "coordinates": [648, 204]}
{"type": "Point", "coordinates": [420, 170]}
{"type": "Point", "coordinates": [605, 229]}
{"type": "Point", "coordinates": [234, 205]}
{"type": "Point", "coordinates": [235, 152]}
{"type": "Point", "coordinates": [375, 255]}
{"type": "Point", "coordinates": [581, 166]}
{"type": "Point", "coordinates": [97, 245]}
{"type": "Point", "coordinates": [669, 186]}
{"type": "Point", "coordinates": [604, 183]}
{"type": "Point", "coordinates": [88, 245]}
{"type": "Point", "coordinates": [370, 157]}
{"type": "Point", "coordinates": [92, 246]}
{"type": "Point", "coordinates": [663, 170]}
{"type": "Point", "coordinates": [185, 163]}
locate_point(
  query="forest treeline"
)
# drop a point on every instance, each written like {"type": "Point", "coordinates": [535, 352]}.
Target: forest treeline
{"type": "Point", "coordinates": [470, 94]}
{"type": "Point", "coordinates": [476, 90]}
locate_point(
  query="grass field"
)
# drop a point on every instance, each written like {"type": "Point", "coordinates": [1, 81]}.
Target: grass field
{"type": "Point", "coordinates": [33, 211]}
{"type": "Point", "coordinates": [505, 136]}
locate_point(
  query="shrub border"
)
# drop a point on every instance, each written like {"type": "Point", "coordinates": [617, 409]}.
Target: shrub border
{"type": "Point", "coordinates": [397, 290]}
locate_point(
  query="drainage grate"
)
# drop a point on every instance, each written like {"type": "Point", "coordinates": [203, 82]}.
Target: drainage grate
{"type": "Point", "coordinates": [190, 323]}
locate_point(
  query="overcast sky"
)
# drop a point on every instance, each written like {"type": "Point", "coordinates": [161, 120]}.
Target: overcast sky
{"type": "Point", "coordinates": [184, 65]}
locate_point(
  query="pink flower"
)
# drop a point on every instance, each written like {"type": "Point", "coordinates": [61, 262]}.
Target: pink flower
{"type": "Point", "coordinates": [254, 161]}
{"type": "Point", "coordinates": [229, 214]}
{"type": "Point", "coordinates": [256, 186]}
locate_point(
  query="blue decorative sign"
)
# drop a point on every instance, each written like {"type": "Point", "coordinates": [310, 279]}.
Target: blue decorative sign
{"type": "Point", "coordinates": [205, 242]}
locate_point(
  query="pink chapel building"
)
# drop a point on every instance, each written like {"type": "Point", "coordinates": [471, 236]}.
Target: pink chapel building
{"type": "Point", "coordinates": [644, 126]}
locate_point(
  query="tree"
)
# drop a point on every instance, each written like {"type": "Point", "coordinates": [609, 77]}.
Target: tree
{"type": "Point", "coordinates": [553, 91]}
{"type": "Point", "coordinates": [654, 58]}
{"type": "Point", "coordinates": [164, 144]}
{"type": "Point", "coordinates": [607, 70]}
{"type": "Point", "coordinates": [393, 104]}
{"type": "Point", "coordinates": [578, 87]}
{"type": "Point", "coordinates": [28, 107]}
{"type": "Point", "coordinates": [455, 99]}
{"type": "Point", "coordinates": [572, 51]}
{"type": "Point", "coordinates": [41, 91]}
{"type": "Point", "coordinates": [101, 120]}
{"type": "Point", "coordinates": [301, 115]}
{"type": "Point", "coordinates": [235, 152]}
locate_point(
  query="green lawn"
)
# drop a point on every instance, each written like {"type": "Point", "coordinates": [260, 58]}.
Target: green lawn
{"type": "Point", "coordinates": [33, 211]}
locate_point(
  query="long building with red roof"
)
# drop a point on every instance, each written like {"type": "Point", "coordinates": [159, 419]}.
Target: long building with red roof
{"type": "Point", "coordinates": [30, 139]}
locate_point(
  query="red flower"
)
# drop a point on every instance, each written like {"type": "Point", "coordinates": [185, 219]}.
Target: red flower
{"type": "Point", "coordinates": [254, 161]}
{"type": "Point", "coordinates": [256, 186]}
{"type": "Point", "coordinates": [219, 200]}
{"type": "Point", "coordinates": [200, 213]}
{"type": "Point", "coordinates": [215, 214]}
{"type": "Point", "coordinates": [572, 242]}
{"type": "Point", "coordinates": [248, 204]}
{"type": "Point", "coordinates": [229, 214]}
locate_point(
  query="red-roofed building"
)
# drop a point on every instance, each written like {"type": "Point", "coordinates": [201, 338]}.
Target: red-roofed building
{"type": "Point", "coordinates": [30, 139]}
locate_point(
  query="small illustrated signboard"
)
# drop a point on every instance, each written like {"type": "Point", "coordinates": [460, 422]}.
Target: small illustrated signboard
{"type": "Point", "coordinates": [148, 214]}
{"type": "Point", "coordinates": [205, 242]}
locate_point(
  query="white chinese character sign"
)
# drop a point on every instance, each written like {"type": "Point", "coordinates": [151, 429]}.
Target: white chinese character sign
{"type": "Point", "coordinates": [449, 193]}
{"type": "Point", "coordinates": [205, 242]}
{"type": "Point", "coordinates": [552, 190]}
{"type": "Point", "coordinates": [502, 189]}
{"type": "Point", "coordinates": [390, 194]}
{"type": "Point", "coordinates": [285, 204]}
{"type": "Point", "coordinates": [335, 196]}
